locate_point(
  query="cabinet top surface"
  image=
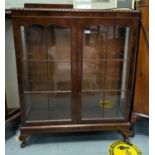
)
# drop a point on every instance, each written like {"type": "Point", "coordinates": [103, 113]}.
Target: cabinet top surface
{"type": "Point", "coordinates": [20, 12]}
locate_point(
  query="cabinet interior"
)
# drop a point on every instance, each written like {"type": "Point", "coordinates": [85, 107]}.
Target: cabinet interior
{"type": "Point", "coordinates": [47, 71]}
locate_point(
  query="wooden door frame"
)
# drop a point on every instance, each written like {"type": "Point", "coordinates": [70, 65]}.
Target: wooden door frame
{"type": "Point", "coordinates": [17, 23]}
{"type": "Point", "coordinates": [133, 45]}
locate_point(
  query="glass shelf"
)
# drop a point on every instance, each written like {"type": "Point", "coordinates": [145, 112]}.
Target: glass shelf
{"type": "Point", "coordinates": [97, 60]}
{"type": "Point", "coordinates": [46, 60]}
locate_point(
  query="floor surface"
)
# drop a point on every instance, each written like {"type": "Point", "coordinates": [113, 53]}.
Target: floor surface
{"type": "Point", "coordinates": [96, 143]}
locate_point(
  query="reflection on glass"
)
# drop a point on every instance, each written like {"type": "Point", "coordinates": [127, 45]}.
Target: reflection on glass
{"type": "Point", "coordinates": [102, 76]}
{"type": "Point", "coordinates": [105, 57]}
{"type": "Point", "coordinates": [47, 58]}
{"type": "Point", "coordinates": [59, 46]}
{"type": "Point", "coordinates": [105, 42]}
{"type": "Point", "coordinates": [59, 76]}
{"type": "Point", "coordinates": [53, 42]}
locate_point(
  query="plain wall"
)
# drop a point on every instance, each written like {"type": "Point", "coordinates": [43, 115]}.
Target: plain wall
{"type": "Point", "coordinates": [11, 87]}
{"type": "Point", "coordinates": [20, 3]}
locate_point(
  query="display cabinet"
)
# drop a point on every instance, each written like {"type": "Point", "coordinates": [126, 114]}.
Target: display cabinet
{"type": "Point", "coordinates": [76, 69]}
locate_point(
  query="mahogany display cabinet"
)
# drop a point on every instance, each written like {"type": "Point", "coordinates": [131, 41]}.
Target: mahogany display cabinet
{"type": "Point", "coordinates": [76, 69]}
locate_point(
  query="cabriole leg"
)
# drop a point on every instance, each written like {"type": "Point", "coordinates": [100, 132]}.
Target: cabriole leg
{"type": "Point", "coordinates": [126, 134]}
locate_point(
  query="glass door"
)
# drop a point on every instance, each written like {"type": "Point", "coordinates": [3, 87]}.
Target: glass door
{"type": "Point", "coordinates": [105, 63]}
{"type": "Point", "coordinates": [46, 60]}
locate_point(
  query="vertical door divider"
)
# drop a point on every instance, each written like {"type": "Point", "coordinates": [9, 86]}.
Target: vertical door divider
{"type": "Point", "coordinates": [48, 79]}
{"type": "Point", "coordinates": [79, 72]}
{"type": "Point", "coordinates": [105, 67]}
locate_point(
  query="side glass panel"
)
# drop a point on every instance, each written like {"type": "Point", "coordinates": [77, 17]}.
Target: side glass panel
{"type": "Point", "coordinates": [46, 59]}
{"type": "Point", "coordinates": [105, 68]}
{"type": "Point", "coordinates": [36, 106]}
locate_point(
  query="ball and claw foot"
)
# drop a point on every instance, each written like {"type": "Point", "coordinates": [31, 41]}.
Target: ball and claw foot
{"type": "Point", "coordinates": [132, 133]}
{"type": "Point", "coordinates": [23, 139]}
{"type": "Point", "coordinates": [126, 134]}
{"type": "Point", "coordinates": [23, 144]}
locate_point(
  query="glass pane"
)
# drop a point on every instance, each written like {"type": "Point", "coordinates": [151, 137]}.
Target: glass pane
{"type": "Point", "coordinates": [101, 42]}
{"type": "Point", "coordinates": [103, 75]}
{"type": "Point", "coordinates": [105, 57]}
{"type": "Point", "coordinates": [36, 106]}
{"type": "Point", "coordinates": [35, 76]}
{"type": "Point", "coordinates": [59, 42]}
{"type": "Point", "coordinates": [33, 42]}
{"type": "Point", "coordinates": [60, 106]}
{"type": "Point", "coordinates": [114, 75]}
{"type": "Point", "coordinates": [53, 42]}
{"type": "Point", "coordinates": [60, 75]}
{"type": "Point", "coordinates": [46, 58]}
{"type": "Point", "coordinates": [101, 105]}
{"type": "Point", "coordinates": [105, 61]}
